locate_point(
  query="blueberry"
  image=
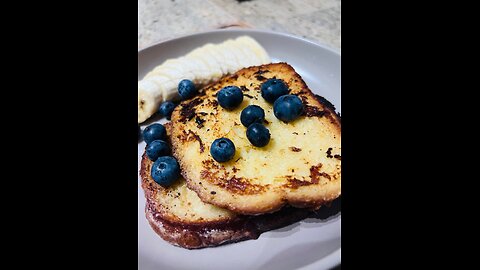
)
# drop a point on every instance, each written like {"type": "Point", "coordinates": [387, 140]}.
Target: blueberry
{"type": "Point", "coordinates": [230, 97]}
{"type": "Point", "coordinates": [166, 109]}
{"type": "Point", "coordinates": [139, 132]}
{"type": "Point", "coordinates": [258, 134]}
{"type": "Point", "coordinates": [156, 149]}
{"type": "Point", "coordinates": [154, 132]}
{"type": "Point", "coordinates": [165, 171]}
{"type": "Point", "coordinates": [287, 108]}
{"type": "Point", "coordinates": [222, 149]}
{"type": "Point", "coordinates": [252, 114]}
{"type": "Point", "coordinates": [186, 89]}
{"type": "Point", "coordinates": [273, 89]}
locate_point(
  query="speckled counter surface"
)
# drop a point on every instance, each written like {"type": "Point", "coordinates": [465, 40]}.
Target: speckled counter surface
{"type": "Point", "coordinates": [316, 20]}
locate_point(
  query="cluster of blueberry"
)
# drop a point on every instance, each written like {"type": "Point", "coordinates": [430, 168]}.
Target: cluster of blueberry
{"type": "Point", "coordinates": [285, 107]}
{"type": "Point", "coordinates": [186, 90]}
{"type": "Point", "coordinates": [165, 169]}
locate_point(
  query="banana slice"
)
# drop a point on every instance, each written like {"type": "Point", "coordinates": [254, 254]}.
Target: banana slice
{"type": "Point", "coordinates": [212, 64]}
{"type": "Point", "coordinates": [175, 70]}
{"type": "Point", "coordinates": [240, 59]}
{"type": "Point", "coordinates": [214, 71]}
{"type": "Point", "coordinates": [149, 98]}
{"type": "Point", "coordinates": [211, 51]}
{"type": "Point", "coordinates": [166, 86]}
{"type": "Point", "coordinates": [256, 48]}
{"type": "Point", "coordinates": [199, 69]}
{"type": "Point", "coordinates": [246, 53]}
{"type": "Point", "coordinates": [229, 59]}
{"type": "Point", "coordinates": [172, 63]}
{"type": "Point", "coordinates": [175, 75]}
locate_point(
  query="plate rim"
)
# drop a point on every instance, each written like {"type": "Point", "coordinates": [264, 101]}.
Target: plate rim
{"type": "Point", "coordinates": [238, 30]}
{"type": "Point", "coordinates": [334, 258]}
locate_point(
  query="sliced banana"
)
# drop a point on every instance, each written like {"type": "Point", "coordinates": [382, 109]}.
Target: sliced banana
{"type": "Point", "coordinates": [215, 65]}
{"type": "Point", "coordinates": [244, 51]}
{"type": "Point", "coordinates": [167, 87]}
{"type": "Point", "coordinates": [172, 71]}
{"type": "Point", "coordinates": [175, 75]}
{"type": "Point", "coordinates": [230, 60]}
{"type": "Point", "coordinates": [198, 68]}
{"type": "Point", "coordinates": [173, 63]}
{"type": "Point", "coordinates": [257, 48]}
{"type": "Point", "coordinates": [175, 70]}
{"type": "Point", "coordinates": [149, 97]}
{"type": "Point", "coordinates": [240, 59]}
{"type": "Point", "coordinates": [212, 64]}
{"type": "Point", "coordinates": [211, 51]}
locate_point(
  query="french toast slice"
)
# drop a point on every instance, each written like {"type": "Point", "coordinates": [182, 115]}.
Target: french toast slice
{"type": "Point", "coordinates": [179, 216]}
{"type": "Point", "coordinates": [301, 165]}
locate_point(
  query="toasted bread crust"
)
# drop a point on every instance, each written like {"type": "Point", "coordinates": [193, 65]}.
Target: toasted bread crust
{"type": "Point", "coordinates": [194, 234]}
{"type": "Point", "coordinates": [198, 236]}
{"type": "Point", "coordinates": [197, 122]}
{"type": "Point", "coordinates": [244, 228]}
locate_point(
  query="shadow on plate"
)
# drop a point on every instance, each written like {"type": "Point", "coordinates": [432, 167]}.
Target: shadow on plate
{"type": "Point", "coordinates": [302, 255]}
{"type": "Point", "coordinates": [324, 214]}
{"type": "Point", "coordinates": [329, 212]}
{"type": "Point", "coordinates": [317, 218]}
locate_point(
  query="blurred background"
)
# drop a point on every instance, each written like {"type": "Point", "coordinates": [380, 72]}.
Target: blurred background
{"type": "Point", "coordinates": [316, 20]}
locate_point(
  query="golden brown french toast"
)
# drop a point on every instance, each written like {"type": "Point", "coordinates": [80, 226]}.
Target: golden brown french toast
{"type": "Point", "coordinates": [181, 218]}
{"type": "Point", "coordinates": [300, 166]}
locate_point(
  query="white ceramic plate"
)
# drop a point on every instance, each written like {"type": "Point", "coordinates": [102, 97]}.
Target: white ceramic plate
{"type": "Point", "coordinates": [309, 244]}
